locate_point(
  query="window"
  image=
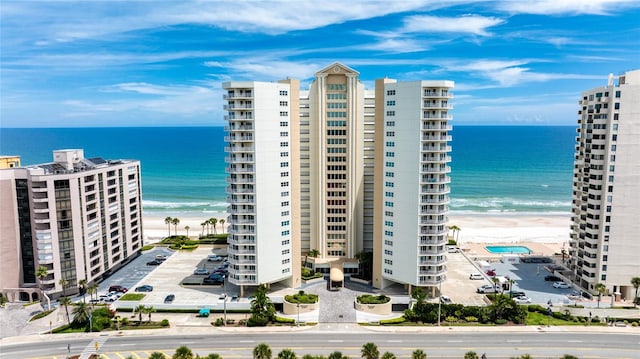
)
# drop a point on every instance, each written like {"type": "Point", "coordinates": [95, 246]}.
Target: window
{"type": "Point", "coordinates": [388, 184]}
{"type": "Point", "coordinates": [388, 223]}
{"type": "Point", "coordinates": [284, 103]}
{"type": "Point", "coordinates": [284, 144]}
{"type": "Point", "coordinates": [284, 123]}
{"type": "Point", "coordinates": [388, 174]}
{"type": "Point", "coordinates": [391, 154]}
{"type": "Point", "coordinates": [284, 113]}
{"type": "Point", "coordinates": [284, 174]}
{"type": "Point", "coordinates": [391, 103]}
{"type": "Point", "coordinates": [284, 213]}
{"type": "Point", "coordinates": [388, 252]}
{"type": "Point", "coordinates": [284, 184]}
{"type": "Point", "coordinates": [284, 194]}
{"type": "Point", "coordinates": [284, 134]}
{"type": "Point", "coordinates": [388, 204]}
{"type": "Point", "coordinates": [388, 194]}
{"type": "Point", "coordinates": [390, 144]}
{"type": "Point", "coordinates": [389, 164]}
{"type": "Point", "coordinates": [391, 92]}
{"type": "Point", "coordinates": [617, 94]}
{"type": "Point", "coordinates": [391, 113]}
{"type": "Point", "coordinates": [284, 164]}
{"type": "Point", "coordinates": [391, 123]}
{"type": "Point", "coordinates": [284, 154]}
{"type": "Point", "coordinates": [285, 233]}
{"type": "Point", "coordinates": [284, 204]}
{"type": "Point", "coordinates": [388, 233]}
{"type": "Point", "coordinates": [284, 93]}
{"type": "Point", "coordinates": [391, 133]}
{"type": "Point", "coordinates": [388, 213]}
{"type": "Point", "coordinates": [616, 105]}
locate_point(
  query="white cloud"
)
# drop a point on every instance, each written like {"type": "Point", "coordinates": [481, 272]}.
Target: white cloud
{"type": "Point", "coordinates": [265, 69]}
{"type": "Point", "coordinates": [470, 24]}
{"type": "Point", "coordinates": [570, 7]}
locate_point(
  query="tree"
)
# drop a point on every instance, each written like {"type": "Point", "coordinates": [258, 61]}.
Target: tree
{"type": "Point", "coordinates": [601, 289]}
{"type": "Point", "coordinates": [187, 228]}
{"type": "Point", "coordinates": [287, 354]}
{"type": "Point", "coordinates": [175, 222]}
{"type": "Point", "coordinates": [183, 352]}
{"type": "Point", "coordinates": [81, 313]}
{"type": "Point", "coordinates": [470, 355]}
{"type": "Point", "coordinates": [455, 230]}
{"type": "Point", "coordinates": [214, 223]}
{"type": "Point", "coordinates": [93, 289]}
{"type": "Point", "coordinates": [63, 283]}
{"type": "Point", "coordinates": [66, 301]}
{"type": "Point", "coordinates": [157, 355]}
{"type": "Point", "coordinates": [388, 355]}
{"type": "Point", "coordinates": [635, 282]}
{"type": "Point", "coordinates": [203, 224]}
{"type": "Point", "coordinates": [568, 356]}
{"type": "Point", "coordinates": [212, 356]}
{"type": "Point", "coordinates": [148, 310]}
{"type": "Point", "coordinates": [337, 355]}
{"type": "Point", "coordinates": [370, 351]}
{"type": "Point", "coordinates": [168, 221]}
{"type": "Point", "coordinates": [262, 351]}
{"type": "Point", "coordinates": [82, 284]}
{"type": "Point", "coordinates": [418, 354]}
{"type": "Point", "coordinates": [42, 272]}
{"type": "Point", "coordinates": [262, 307]}
{"type": "Point", "coordinates": [140, 309]}
{"type": "Point", "coordinates": [222, 224]}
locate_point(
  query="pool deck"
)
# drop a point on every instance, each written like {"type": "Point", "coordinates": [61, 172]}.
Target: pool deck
{"type": "Point", "coordinates": [480, 252]}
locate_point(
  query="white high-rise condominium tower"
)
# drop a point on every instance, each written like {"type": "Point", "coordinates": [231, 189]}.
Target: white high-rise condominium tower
{"type": "Point", "coordinates": [307, 174]}
{"type": "Point", "coordinates": [604, 242]}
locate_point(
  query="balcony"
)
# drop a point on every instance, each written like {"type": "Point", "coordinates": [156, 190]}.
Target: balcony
{"type": "Point", "coordinates": [240, 180]}
{"type": "Point", "coordinates": [238, 138]}
{"type": "Point", "coordinates": [231, 210]}
{"type": "Point", "coordinates": [437, 93]}
{"type": "Point", "coordinates": [238, 106]}
{"type": "Point", "coordinates": [434, 242]}
{"type": "Point", "coordinates": [432, 281]}
{"type": "Point", "coordinates": [230, 169]}
{"type": "Point", "coordinates": [430, 148]}
{"type": "Point", "coordinates": [238, 149]}
{"type": "Point", "coordinates": [437, 105]}
{"type": "Point", "coordinates": [445, 190]}
{"type": "Point", "coordinates": [230, 199]}
{"type": "Point", "coordinates": [434, 221]}
{"type": "Point", "coordinates": [234, 190]}
{"type": "Point", "coordinates": [433, 261]}
{"type": "Point", "coordinates": [436, 138]}
{"type": "Point", "coordinates": [437, 127]}
{"type": "Point", "coordinates": [433, 231]}
{"type": "Point", "coordinates": [442, 180]}
{"type": "Point", "coordinates": [435, 159]}
{"type": "Point", "coordinates": [237, 128]}
{"type": "Point", "coordinates": [440, 200]}
{"type": "Point", "coordinates": [444, 169]}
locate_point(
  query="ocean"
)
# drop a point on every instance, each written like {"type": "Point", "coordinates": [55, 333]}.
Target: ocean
{"type": "Point", "coordinates": [495, 169]}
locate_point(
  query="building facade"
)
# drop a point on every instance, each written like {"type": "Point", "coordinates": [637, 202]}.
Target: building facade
{"type": "Point", "coordinates": [336, 133]}
{"type": "Point", "coordinates": [604, 243]}
{"type": "Point", "coordinates": [80, 218]}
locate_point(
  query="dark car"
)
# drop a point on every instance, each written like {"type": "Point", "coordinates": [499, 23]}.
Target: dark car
{"type": "Point", "coordinates": [154, 262]}
{"type": "Point", "coordinates": [144, 288]}
{"type": "Point", "coordinates": [117, 288]}
{"type": "Point", "coordinates": [169, 298]}
{"type": "Point", "coordinates": [552, 278]}
{"type": "Point", "coordinates": [214, 281]}
{"type": "Point", "coordinates": [516, 294]}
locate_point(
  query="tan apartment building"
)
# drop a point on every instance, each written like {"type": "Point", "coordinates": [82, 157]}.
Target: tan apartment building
{"type": "Point", "coordinates": [80, 218]}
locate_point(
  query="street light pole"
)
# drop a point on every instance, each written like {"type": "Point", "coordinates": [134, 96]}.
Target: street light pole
{"type": "Point", "coordinates": [298, 305]}
{"type": "Point", "coordinates": [224, 286]}
{"type": "Point", "coordinates": [440, 301]}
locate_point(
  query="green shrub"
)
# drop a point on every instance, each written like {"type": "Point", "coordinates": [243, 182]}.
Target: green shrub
{"type": "Point", "coordinates": [284, 320]}
{"type": "Point", "coordinates": [189, 246]}
{"type": "Point", "coordinates": [501, 321]}
{"type": "Point", "coordinates": [373, 299]}
{"type": "Point", "coordinates": [42, 315]}
{"type": "Point", "coordinates": [164, 322]}
{"type": "Point", "coordinates": [219, 322]}
{"type": "Point", "coordinates": [558, 315]}
{"type": "Point", "coordinates": [302, 298]}
{"type": "Point", "coordinates": [132, 296]}
{"type": "Point", "coordinates": [471, 319]}
{"type": "Point", "coordinates": [147, 247]}
{"type": "Point", "coordinates": [257, 321]}
{"type": "Point", "coordinates": [451, 242]}
{"type": "Point", "coordinates": [392, 321]}
{"type": "Point", "coordinates": [634, 324]}
{"type": "Point", "coordinates": [537, 308]}
{"type": "Point", "coordinates": [451, 319]}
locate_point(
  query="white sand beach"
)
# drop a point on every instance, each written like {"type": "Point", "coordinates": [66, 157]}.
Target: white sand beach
{"type": "Point", "coordinates": [474, 228]}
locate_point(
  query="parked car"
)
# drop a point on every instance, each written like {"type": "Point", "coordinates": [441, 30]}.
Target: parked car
{"type": "Point", "coordinates": [484, 289]}
{"type": "Point", "coordinates": [201, 271]}
{"type": "Point", "coordinates": [144, 288]}
{"type": "Point", "coordinates": [215, 279]}
{"type": "Point", "coordinates": [445, 299]}
{"type": "Point", "coordinates": [491, 272]}
{"type": "Point", "coordinates": [117, 288]}
{"type": "Point", "coordinates": [161, 257]}
{"type": "Point", "coordinates": [169, 298]}
{"type": "Point", "coordinates": [517, 294]}
{"type": "Point", "coordinates": [214, 258]}
{"type": "Point", "coordinates": [452, 250]}
{"type": "Point", "coordinates": [476, 276]}
{"type": "Point", "coordinates": [154, 262]}
{"type": "Point", "coordinates": [522, 300]}
{"type": "Point", "coordinates": [561, 285]}
{"type": "Point", "coordinates": [552, 278]}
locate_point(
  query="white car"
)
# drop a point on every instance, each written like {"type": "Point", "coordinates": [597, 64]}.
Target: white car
{"type": "Point", "coordinates": [484, 289]}
{"type": "Point", "coordinates": [522, 300]}
{"type": "Point", "coordinates": [561, 285]}
{"type": "Point", "coordinates": [476, 276]}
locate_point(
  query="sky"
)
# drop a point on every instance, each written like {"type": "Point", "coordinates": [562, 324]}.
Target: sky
{"type": "Point", "coordinates": [162, 63]}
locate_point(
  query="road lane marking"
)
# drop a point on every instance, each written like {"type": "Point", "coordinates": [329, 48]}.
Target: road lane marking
{"type": "Point", "coordinates": [394, 341]}
{"type": "Point", "coordinates": [574, 341]}
{"type": "Point", "coordinates": [454, 341]}
{"type": "Point", "coordinates": [336, 341]}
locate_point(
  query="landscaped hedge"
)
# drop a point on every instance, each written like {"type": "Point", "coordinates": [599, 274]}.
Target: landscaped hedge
{"type": "Point", "coordinates": [373, 299]}
{"type": "Point", "coordinates": [392, 321]}
{"type": "Point", "coordinates": [302, 298]}
{"type": "Point", "coordinates": [278, 319]}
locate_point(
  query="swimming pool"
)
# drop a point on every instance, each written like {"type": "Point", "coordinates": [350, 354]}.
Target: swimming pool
{"type": "Point", "coordinates": [508, 249]}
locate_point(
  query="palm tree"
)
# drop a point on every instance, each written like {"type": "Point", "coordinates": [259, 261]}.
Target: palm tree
{"type": "Point", "coordinates": [418, 354]}
{"type": "Point", "coordinates": [93, 289]}
{"type": "Point", "coordinates": [203, 224]}
{"type": "Point", "coordinates": [287, 354]}
{"type": "Point", "coordinates": [455, 232]}
{"type": "Point", "coordinates": [370, 351]}
{"type": "Point", "coordinates": [261, 305]}
{"type": "Point", "coordinates": [187, 228]}
{"type": "Point", "coordinates": [42, 272]}
{"type": "Point", "coordinates": [183, 352]}
{"type": "Point", "coordinates": [388, 355]}
{"type": "Point", "coordinates": [337, 355]}
{"type": "Point", "coordinates": [635, 282]}
{"type": "Point", "coordinates": [140, 309]}
{"type": "Point", "coordinates": [82, 283]}
{"type": "Point", "coordinates": [214, 222]}
{"type": "Point", "coordinates": [601, 289]}
{"type": "Point", "coordinates": [213, 356]}
{"type": "Point", "coordinates": [168, 221]}
{"type": "Point", "coordinates": [66, 301]}
{"type": "Point", "coordinates": [470, 355]}
{"type": "Point", "coordinates": [148, 310]}
{"type": "Point", "coordinates": [63, 283]}
{"type": "Point", "coordinates": [262, 351]}
{"type": "Point", "coordinates": [221, 221]}
{"type": "Point", "coordinates": [157, 355]}
{"type": "Point", "coordinates": [81, 313]}
{"type": "Point", "coordinates": [175, 222]}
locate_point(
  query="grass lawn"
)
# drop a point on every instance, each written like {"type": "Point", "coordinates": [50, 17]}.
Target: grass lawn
{"type": "Point", "coordinates": [534, 318]}
{"type": "Point", "coordinates": [132, 296]}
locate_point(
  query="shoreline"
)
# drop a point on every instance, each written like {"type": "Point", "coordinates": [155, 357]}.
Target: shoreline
{"type": "Point", "coordinates": [479, 227]}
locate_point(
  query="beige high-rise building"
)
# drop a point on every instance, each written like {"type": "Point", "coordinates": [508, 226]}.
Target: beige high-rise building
{"type": "Point", "coordinates": [80, 218]}
{"type": "Point", "coordinates": [336, 131]}
{"type": "Point", "coordinates": [604, 242]}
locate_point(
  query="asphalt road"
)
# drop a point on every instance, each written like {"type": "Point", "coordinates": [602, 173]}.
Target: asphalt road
{"type": "Point", "coordinates": [325, 340]}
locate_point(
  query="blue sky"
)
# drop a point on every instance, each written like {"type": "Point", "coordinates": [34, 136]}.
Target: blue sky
{"type": "Point", "coordinates": [161, 63]}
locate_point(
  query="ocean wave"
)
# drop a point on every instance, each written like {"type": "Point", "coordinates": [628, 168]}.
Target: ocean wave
{"type": "Point", "coordinates": [148, 204]}
{"type": "Point", "coordinates": [506, 204]}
